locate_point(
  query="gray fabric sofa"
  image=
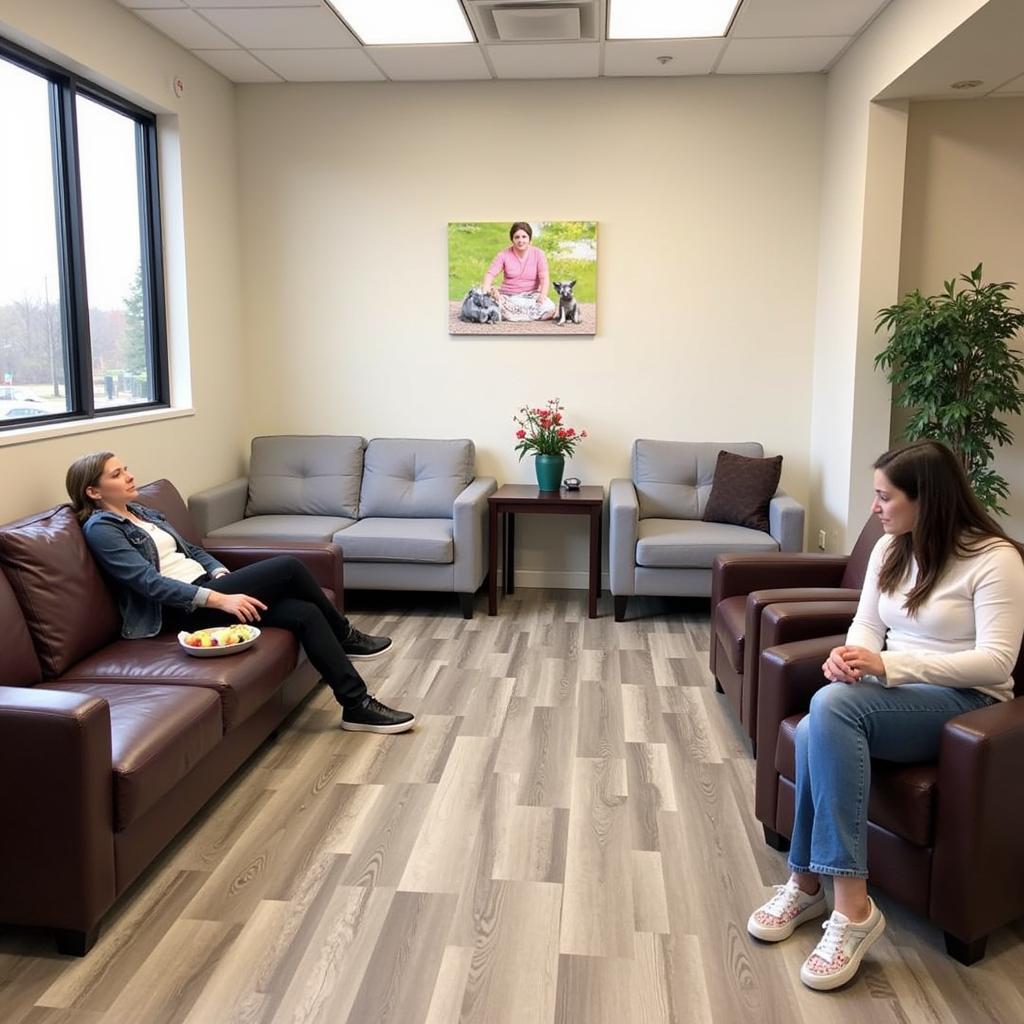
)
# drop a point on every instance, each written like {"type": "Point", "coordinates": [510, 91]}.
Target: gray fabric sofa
{"type": "Point", "coordinates": [407, 514]}
{"type": "Point", "coordinates": [658, 543]}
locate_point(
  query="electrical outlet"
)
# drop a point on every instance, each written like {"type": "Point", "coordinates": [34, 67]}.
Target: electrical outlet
{"type": "Point", "coordinates": [821, 540]}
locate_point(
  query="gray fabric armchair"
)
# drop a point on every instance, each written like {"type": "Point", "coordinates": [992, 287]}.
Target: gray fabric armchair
{"type": "Point", "coordinates": [407, 514]}
{"type": "Point", "coordinates": [658, 543]}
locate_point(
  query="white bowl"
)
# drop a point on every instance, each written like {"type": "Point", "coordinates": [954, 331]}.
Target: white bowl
{"type": "Point", "coordinates": [218, 652]}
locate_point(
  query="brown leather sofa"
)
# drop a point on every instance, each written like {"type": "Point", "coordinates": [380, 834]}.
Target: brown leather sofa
{"type": "Point", "coordinates": [743, 586]}
{"type": "Point", "coordinates": [109, 746]}
{"type": "Point", "coordinates": [946, 838]}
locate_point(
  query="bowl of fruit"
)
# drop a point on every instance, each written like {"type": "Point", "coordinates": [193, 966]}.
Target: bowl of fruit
{"type": "Point", "coordinates": [215, 643]}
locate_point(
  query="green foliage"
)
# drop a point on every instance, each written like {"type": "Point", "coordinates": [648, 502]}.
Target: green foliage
{"type": "Point", "coordinates": [135, 326]}
{"type": "Point", "coordinates": [950, 360]}
{"type": "Point", "coordinates": [472, 246]}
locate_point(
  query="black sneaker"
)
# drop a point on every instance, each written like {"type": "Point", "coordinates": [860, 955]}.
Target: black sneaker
{"type": "Point", "coordinates": [362, 646]}
{"type": "Point", "coordinates": [372, 716]}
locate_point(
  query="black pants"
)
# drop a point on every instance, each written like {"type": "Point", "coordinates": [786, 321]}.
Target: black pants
{"type": "Point", "coordinates": [294, 602]}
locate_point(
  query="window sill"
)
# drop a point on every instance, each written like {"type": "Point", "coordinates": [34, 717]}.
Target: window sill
{"type": "Point", "coordinates": [26, 435]}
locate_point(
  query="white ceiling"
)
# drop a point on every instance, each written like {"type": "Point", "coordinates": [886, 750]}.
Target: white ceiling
{"type": "Point", "coordinates": [306, 41]}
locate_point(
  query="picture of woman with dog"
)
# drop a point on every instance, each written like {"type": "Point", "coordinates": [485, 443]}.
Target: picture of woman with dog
{"type": "Point", "coordinates": [510, 291]}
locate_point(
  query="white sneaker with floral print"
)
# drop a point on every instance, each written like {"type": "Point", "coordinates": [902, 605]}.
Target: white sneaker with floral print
{"type": "Point", "coordinates": [789, 908]}
{"type": "Point", "coordinates": [838, 955]}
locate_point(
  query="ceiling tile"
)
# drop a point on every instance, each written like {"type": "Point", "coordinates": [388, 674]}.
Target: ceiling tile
{"type": "Point", "coordinates": [640, 58]}
{"type": "Point", "coordinates": [430, 63]}
{"type": "Point", "coordinates": [789, 18]}
{"type": "Point", "coordinates": [188, 29]}
{"type": "Point", "coordinates": [1014, 88]}
{"type": "Point", "coordinates": [347, 65]}
{"type": "Point", "coordinates": [136, 5]}
{"type": "Point", "coordinates": [237, 65]}
{"type": "Point", "coordinates": [779, 56]}
{"type": "Point", "coordinates": [554, 60]}
{"type": "Point", "coordinates": [282, 28]}
{"type": "Point", "coordinates": [203, 4]}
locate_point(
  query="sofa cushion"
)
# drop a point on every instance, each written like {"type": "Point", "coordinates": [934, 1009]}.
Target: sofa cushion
{"type": "Point", "coordinates": [398, 540]}
{"type": "Point", "coordinates": [19, 665]}
{"type": "Point", "coordinates": [673, 478]}
{"type": "Point", "coordinates": [68, 609]}
{"type": "Point", "coordinates": [275, 528]}
{"type": "Point", "coordinates": [731, 627]}
{"type": "Point", "coordinates": [164, 497]}
{"type": "Point", "coordinates": [742, 489]}
{"type": "Point", "coordinates": [902, 799]}
{"type": "Point", "coordinates": [244, 681]}
{"type": "Point", "coordinates": [691, 544]}
{"type": "Point", "coordinates": [305, 475]}
{"type": "Point", "coordinates": [158, 734]}
{"type": "Point", "coordinates": [414, 479]}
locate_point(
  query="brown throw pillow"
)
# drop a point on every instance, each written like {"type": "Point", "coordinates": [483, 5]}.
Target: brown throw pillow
{"type": "Point", "coordinates": [742, 489]}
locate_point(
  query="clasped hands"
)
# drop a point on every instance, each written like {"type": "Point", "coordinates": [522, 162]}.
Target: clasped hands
{"type": "Point", "coordinates": [850, 664]}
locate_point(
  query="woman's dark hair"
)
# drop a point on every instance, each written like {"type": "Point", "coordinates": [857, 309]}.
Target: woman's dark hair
{"type": "Point", "coordinates": [82, 474]}
{"type": "Point", "coordinates": [951, 521]}
{"type": "Point", "coordinates": [520, 225]}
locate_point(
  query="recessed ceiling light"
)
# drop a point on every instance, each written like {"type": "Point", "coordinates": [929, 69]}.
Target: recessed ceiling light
{"type": "Point", "coordinates": [397, 22]}
{"type": "Point", "coordinates": [669, 19]}
{"type": "Point", "coordinates": [967, 83]}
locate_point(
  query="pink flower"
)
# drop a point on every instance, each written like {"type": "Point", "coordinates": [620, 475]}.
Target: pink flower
{"type": "Point", "coordinates": [520, 434]}
{"type": "Point", "coordinates": [583, 433]}
{"type": "Point", "coordinates": [571, 432]}
{"type": "Point", "coordinates": [561, 432]}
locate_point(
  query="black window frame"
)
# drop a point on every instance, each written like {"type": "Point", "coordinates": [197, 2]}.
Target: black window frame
{"type": "Point", "coordinates": [65, 86]}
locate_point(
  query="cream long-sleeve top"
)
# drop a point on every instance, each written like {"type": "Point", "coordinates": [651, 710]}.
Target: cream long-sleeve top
{"type": "Point", "coordinates": [966, 634]}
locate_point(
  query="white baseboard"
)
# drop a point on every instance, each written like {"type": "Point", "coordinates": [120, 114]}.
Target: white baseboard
{"type": "Point", "coordinates": [554, 579]}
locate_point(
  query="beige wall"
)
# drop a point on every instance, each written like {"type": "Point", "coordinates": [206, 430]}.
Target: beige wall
{"type": "Point", "coordinates": [965, 205]}
{"type": "Point", "coordinates": [101, 39]}
{"type": "Point", "coordinates": [706, 194]}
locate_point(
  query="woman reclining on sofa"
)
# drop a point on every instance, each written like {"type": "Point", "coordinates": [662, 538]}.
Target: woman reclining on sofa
{"type": "Point", "coordinates": [163, 582]}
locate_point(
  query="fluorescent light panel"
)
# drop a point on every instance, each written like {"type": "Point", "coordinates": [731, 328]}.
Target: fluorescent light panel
{"type": "Point", "coordinates": [397, 22]}
{"type": "Point", "coordinates": [669, 19]}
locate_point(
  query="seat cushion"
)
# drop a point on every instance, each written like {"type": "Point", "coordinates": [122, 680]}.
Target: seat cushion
{"type": "Point", "coordinates": [158, 734]}
{"type": "Point", "coordinates": [418, 479]}
{"type": "Point", "coordinates": [730, 627]}
{"type": "Point", "coordinates": [275, 528]}
{"type": "Point", "coordinates": [244, 681]}
{"type": "Point", "coordinates": [398, 540]}
{"type": "Point", "coordinates": [902, 799]}
{"type": "Point", "coordinates": [305, 475]}
{"type": "Point", "coordinates": [692, 544]}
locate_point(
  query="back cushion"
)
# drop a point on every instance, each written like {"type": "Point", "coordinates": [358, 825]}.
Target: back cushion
{"type": "Point", "coordinates": [18, 663]}
{"type": "Point", "coordinates": [673, 478]}
{"type": "Point", "coordinates": [305, 475]}
{"type": "Point", "coordinates": [414, 479]}
{"type": "Point", "coordinates": [164, 497]}
{"type": "Point", "coordinates": [857, 563]}
{"type": "Point", "coordinates": [69, 610]}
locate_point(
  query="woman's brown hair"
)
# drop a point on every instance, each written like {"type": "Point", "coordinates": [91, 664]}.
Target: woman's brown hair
{"type": "Point", "coordinates": [951, 521]}
{"type": "Point", "coordinates": [82, 474]}
{"type": "Point", "coordinates": [520, 225]}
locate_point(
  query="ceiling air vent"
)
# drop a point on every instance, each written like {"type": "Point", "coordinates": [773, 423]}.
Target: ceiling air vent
{"type": "Point", "coordinates": [534, 21]}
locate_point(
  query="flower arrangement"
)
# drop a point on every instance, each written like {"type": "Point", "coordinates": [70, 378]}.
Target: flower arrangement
{"type": "Point", "coordinates": [543, 431]}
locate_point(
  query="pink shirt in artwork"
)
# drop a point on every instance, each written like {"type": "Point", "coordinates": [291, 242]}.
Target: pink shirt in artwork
{"type": "Point", "coordinates": [520, 275]}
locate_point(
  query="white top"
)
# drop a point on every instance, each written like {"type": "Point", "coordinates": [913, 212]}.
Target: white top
{"type": "Point", "coordinates": [173, 563]}
{"type": "Point", "coordinates": [966, 634]}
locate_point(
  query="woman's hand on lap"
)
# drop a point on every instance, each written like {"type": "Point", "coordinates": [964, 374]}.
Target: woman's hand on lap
{"type": "Point", "coordinates": [836, 669]}
{"type": "Point", "coordinates": [242, 606]}
{"type": "Point", "coordinates": [864, 662]}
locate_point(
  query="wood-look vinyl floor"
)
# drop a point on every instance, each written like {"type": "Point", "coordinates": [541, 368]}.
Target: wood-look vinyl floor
{"type": "Point", "coordinates": [568, 836]}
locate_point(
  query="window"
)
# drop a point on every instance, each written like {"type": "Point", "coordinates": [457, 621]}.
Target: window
{"type": "Point", "coordinates": [82, 330]}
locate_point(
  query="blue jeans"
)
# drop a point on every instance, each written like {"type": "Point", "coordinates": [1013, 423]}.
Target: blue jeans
{"type": "Point", "coordinates": [848, 725]}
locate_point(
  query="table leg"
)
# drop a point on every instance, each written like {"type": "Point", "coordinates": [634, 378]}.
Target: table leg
{"type": "Point", "coordinates": [595, 560]}
{"type": "Point", "coordinates": [492, 562]}
{"type": "Point", "coordinates": [510, 552]}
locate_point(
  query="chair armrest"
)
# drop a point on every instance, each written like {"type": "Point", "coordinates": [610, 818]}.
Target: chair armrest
{"type": "Point", "coordinates": [623, 517]}
{"type": "Point", "coordinates": [217, 506]}
{"type": "Point", "coordinates": [979, 831]}
{"type": "Point", "coordinates": [786, 522]}
{"type": "Point", "coordinates": [323, 559]}
{"type": "Point", "coordinates": [469, 531]}
{"type": "Point", "coordinates": [788, 676]}
{"type": "Point", "coordinates": [805, 620]}
{"type": "Point", "coordinates": [735, 575]}
{"type": "Point", "coordinates": [56, 808]}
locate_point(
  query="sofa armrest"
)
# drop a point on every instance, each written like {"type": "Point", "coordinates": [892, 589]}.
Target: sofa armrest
{"type": "Point", "coordinates": [786, 522]}
{"type": "Point", "coordinates": [323, 559]}
{"type": "Point", "coordinates": [217, 506]}
{"type": "Point", "coordinates": [469, 531]}
{"type": "Point", "coordinates": [736, 575]}
{"type": "Point", "coordinates": [979, 832]}
{"type": "Point", "coordinates": [788, 676]}
{"type": "Point", "coordinates": [56, 809]}
{"type": "Point", "coordinates": [623, 518]}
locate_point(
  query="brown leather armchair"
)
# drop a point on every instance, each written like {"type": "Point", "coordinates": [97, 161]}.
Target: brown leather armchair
{"type": "Point", "coordinates": [743, 586]}
{"type": "Point", "coordinates": [946, 838]}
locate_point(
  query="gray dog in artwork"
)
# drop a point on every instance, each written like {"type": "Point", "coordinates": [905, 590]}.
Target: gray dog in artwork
{"type": "Point", "coordinates": [479, 308]}
{"type": "Point", "coordinates": [568, 308]}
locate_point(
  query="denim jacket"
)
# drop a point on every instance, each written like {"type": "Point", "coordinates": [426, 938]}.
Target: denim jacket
{"type": "Point", "coordinates": [128, 556]}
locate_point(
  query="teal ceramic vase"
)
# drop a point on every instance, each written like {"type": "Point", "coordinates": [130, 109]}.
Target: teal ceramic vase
{"type": "Point", "coordinates": [549, 471]}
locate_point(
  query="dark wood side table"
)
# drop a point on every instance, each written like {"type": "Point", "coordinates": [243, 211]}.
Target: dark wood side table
{"type": "Point", "coordinates": [513, 499]}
